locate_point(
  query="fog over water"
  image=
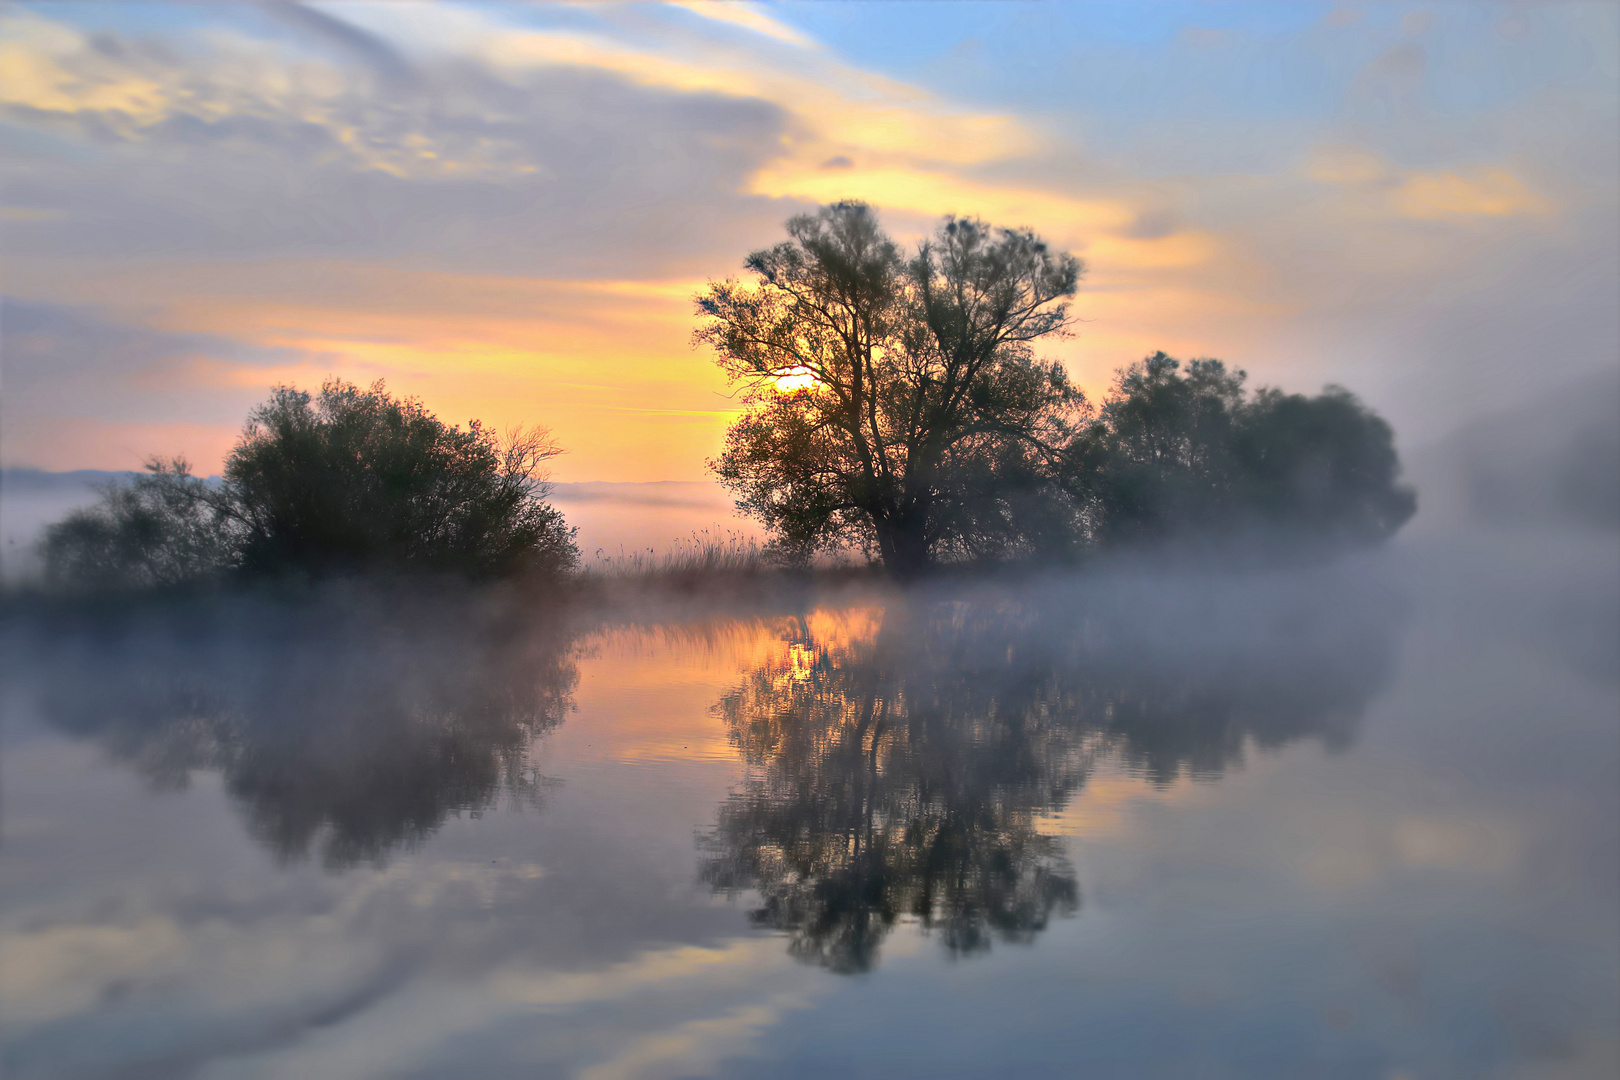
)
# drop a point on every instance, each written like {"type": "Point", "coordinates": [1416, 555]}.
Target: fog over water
{"type": "Point", "coordinates": [615, 520]}
{"type": "Point", "coordinates": [1138, 818]}
{"type": "Point", "coordinates": [1132, 820]}
{"type": "Point", "coordinates": [1344, 821]}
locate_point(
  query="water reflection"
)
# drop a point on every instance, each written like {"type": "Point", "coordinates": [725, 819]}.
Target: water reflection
{"type": "Point", "coordinates": [902, 758]}
{"type": "Point", "coordinates": [345, 729]}
{"type": "Point", "coordinates": [1370, 913]}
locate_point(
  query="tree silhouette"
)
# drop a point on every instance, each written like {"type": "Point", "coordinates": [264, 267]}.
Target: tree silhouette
{"type": "Point", "coordinates": [353, 478]}
{"type": "Point", "coordinates": [159, 529]}
{"type": "Point", "coordinates": [1192, 459]}
{"type": "Point", "coordinates": [340, 481]}
{"type": "Point", "coordinates": [897, 406]}
{"type": "Point", "coordinates": [891, 401]}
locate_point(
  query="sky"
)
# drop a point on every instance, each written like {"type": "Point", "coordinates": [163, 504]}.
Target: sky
{"type": "Point", "coordinates": [506, 210]}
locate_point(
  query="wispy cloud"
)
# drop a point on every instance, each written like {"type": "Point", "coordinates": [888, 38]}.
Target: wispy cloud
{"type": "Point", "coordinates": [496, 206]}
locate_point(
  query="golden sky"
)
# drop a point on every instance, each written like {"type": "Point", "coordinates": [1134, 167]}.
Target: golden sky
{"type": "Point", "coordinates": [506, 210]}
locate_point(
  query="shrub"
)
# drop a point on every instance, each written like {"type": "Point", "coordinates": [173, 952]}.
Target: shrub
{"type": "Point", "coordinates": [160, 528]}
{"type": "Point", "coordinates": [343, 481]}
{"type": "Point", "coordinates": [354, 479]}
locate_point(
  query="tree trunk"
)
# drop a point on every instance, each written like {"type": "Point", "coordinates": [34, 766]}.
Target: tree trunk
{"type": "Point", "coordinates": [903, 545]}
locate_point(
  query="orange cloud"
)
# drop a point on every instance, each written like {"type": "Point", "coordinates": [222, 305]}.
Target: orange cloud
{"type": "Point", "coordinates": [1490, 191]}
{"type": "Point", "coordinates": [608, 366]}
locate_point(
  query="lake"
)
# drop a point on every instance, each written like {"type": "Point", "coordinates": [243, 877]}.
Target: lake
{"type": "Point", "coordinates": [1356, 821]}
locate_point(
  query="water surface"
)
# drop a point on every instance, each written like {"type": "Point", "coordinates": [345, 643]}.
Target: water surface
{"type": "Point", "coordinates": [1354, 822]}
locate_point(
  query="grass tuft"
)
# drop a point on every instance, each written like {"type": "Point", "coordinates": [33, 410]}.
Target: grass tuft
{"type": "Point", "coordinates": [705, 555]}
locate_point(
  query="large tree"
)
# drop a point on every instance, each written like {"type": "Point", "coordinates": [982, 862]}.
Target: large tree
{"type": "Point", "coordinates": [896, 404]}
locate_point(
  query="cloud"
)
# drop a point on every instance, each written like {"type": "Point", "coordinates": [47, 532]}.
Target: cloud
{"type": "Point", "coordinates": [1477, 191]}
{"type": "Point", "coordinates": [421, 191]}
{"type": "Point", "coordinates": [699, 1044]}
{"type": "Point", "coordinates": [746, 16]}
{"type": "Point", "coordinates": [84, 384]}
{"type": "Point", "coordinates": [1490, 192]}
{"type": "Point", "coordinates": [247, 150]}
{"type": "Point", "coordinates": [62, 970]}
{"type": "Point", "coordinates": [607, 365]}
{"type": "Point", "coordinates": [48, 68]}
{"type": "Point", "coordinates": [517, 153]}
{"type": "Point", "coordinates": [837, 109]}
{"type": "Point", "coordinates": [46, 343]}
{"type": "Point", "coordinates": [347, 38]}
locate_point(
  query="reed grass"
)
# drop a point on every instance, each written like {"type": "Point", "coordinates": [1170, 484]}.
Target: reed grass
{"type": "Point", "coordinates": [729, 554]}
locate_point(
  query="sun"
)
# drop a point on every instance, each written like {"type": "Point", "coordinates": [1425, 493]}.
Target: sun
{"type": "Point", "coordinates": [795, 381]}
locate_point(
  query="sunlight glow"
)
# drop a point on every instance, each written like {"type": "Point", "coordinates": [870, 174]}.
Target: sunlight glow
{"type": "Point", "coordinates": [799, 380]}
{"type": "Point", "coordinates": [302, 252]}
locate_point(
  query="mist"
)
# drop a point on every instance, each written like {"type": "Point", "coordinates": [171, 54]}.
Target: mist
{"type": "Point", "coordinates": [860, 775]}
{"type": "Point", "coordinates": [760, 540]}
{"type": "Point", "coordinates": [1215, 778]}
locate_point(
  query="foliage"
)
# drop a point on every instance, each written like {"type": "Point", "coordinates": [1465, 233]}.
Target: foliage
{"type": "Point", "coordinates": [1179, 458]}
{"type": "Point", "coordinates": [356, 478]}
{"type": "Point", "coordinates": [346, 480]}
{"type": "Point", "coordinates": [161, 528]}
{"type": "Point", "coordinates": [897, 406]}
{"type": "Point", "coordinates": [893, 403]}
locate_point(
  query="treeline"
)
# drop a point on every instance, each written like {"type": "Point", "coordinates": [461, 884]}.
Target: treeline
{"type": "Point", "coordinates": [895, 406]}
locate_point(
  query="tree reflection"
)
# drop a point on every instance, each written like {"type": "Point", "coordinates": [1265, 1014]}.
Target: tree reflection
{"type": "Point", "coordinates": [901, 767]}
{"type": "Point", "coordinates": [344, 728]}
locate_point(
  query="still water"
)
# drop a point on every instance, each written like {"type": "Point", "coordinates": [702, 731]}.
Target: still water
{"type": "Point", "coordinates": [1354, 822]}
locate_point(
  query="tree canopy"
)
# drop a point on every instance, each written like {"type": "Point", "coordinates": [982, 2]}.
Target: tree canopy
{"type": "Point", "coordinates": [345, 480]}
{"type": "Point", "coordinates": [897, 405]}
{"type": "Point", "coordinates": [1191, 458]}
{"type": "Point", "coordinates": [890, 398]}
{"type": "Point", "coordinates": [352, 478]}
